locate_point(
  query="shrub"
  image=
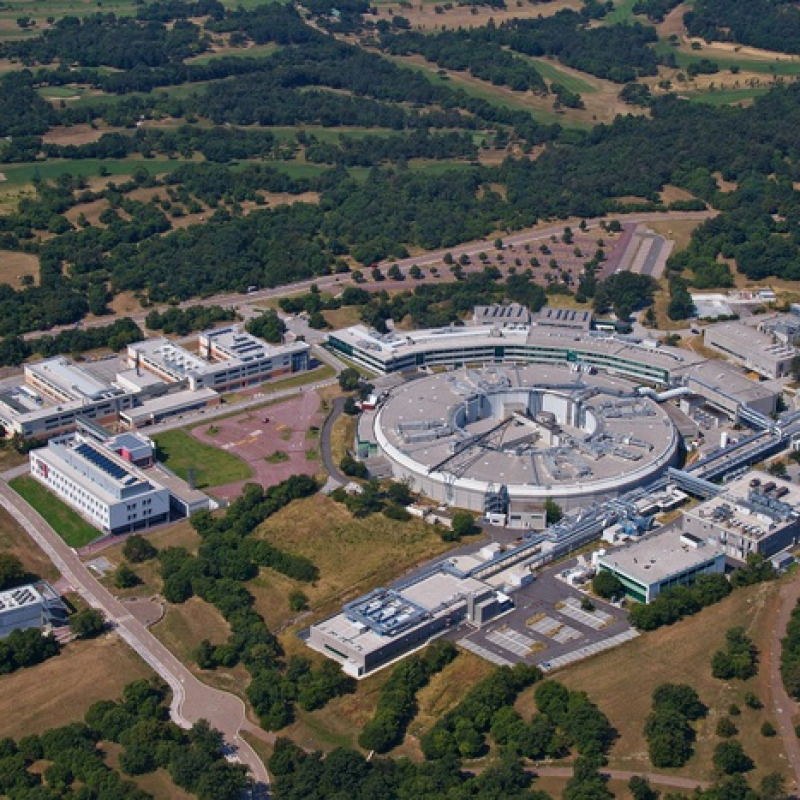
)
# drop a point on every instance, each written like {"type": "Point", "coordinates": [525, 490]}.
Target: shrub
{"type": "Point", "coordinates": [768, 729]}
{"type": "Point", "coordinates": [726, 728]}
{"type": "Point", "coordinates": [606, 584]}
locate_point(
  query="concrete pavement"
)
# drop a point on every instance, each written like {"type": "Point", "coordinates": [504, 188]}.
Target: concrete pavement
{"type": "Point", "coordinates": [192, 700]}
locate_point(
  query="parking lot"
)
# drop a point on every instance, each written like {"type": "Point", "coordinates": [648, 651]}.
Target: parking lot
{"type": "Point", "coordinates": [548, 626]}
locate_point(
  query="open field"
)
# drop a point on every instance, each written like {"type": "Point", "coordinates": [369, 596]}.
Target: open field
{"type": "Point", "coordinates": [181, 534]}
{"type": "Point", "coordinates": [571, 79]}
{"type": "Point", "coordinates": [623, 12]}
{"type": "Point", "coordinates": [14, 540]}
{"type": "Point", "coordinates": [60, 690]}
{"type": "Point", "coordinates": [256, 51]}
{"type": "Point", "coordinates": [423, 15]}
{"type": "Point", "coordinates": [353, 555]}
{"type": "Point", "coordinates": [724, 97]}
{"type": "Point", "coordinates": [19, 174]}
{"type": "Point", "coordinates": [182, 629]}
{"type": "Point", "coordinates": [14, 266]}
{"type": "Point", "coordinates": [71, 527]}
{"type": "Point", "coordinates": [682, 653]}
{"type": "Point", "coordinates": [181, 452]}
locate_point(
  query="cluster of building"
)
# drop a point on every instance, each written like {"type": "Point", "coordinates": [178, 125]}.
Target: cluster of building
{"type": "Point", "coordinates": [156, 380]}
{"type": "Point", "coordinates": [753, 514]}
{"type": "Point", "coordinates": [565, 337]}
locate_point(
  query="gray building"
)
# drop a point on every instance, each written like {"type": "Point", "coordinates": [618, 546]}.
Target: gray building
{"type": "Point", "coordinates": [31, 606]}
{"type": "Point", "coordinates": [755, 350]}
{"type": "Point", "coordinates": [389, 623]}
{"type": "Point", "coordinates": [755, 514]}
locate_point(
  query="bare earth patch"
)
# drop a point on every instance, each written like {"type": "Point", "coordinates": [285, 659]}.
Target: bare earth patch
{"type": "Point", "coordinates": [77, 134]}
{"type": "Point", "coordinates": [14, 265]}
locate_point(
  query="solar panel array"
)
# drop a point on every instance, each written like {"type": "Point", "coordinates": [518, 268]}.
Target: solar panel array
{"type": "Point", "coordinates": [101, 461]}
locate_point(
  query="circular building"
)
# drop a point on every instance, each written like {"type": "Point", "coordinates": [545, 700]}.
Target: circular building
{"type": "Point", "coordinates": [503, 440]}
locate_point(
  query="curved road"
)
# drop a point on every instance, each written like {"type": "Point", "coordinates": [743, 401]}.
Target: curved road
{"type": "Point", "coordinates": [328, 282]}
{"type": "Point", "coordinates": [192, 700]}
{"type": "Point", "coordinates": [325, 442]}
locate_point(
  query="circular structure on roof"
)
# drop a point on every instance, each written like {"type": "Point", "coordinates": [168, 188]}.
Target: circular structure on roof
{"type": "Point", "coordinates": [505, 439]}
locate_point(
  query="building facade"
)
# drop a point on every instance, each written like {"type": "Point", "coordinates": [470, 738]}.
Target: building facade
{"type": "Point", "coordinates": [100, 485]}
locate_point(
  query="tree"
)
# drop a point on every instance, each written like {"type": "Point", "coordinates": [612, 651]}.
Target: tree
{"type": "Point", "coordinates": [606, 584]}
{"type": "Point", "coordinates": [125, 577]}
{"type": "Point", "coordinates": [463, 524]}
{"type": "Point", "coordinates": [12, 573]}
{"type": "Point", "coordinates": [349, 379]}
{"type": "Point", "coordinates": [729, 758]}
{"type": "Point", "coordinates": [726, 728]}
{"type": "Point", "coordinates": [553, 512]}
{"type": "Point", "coordinates": [137, 549]}
{"type": "Point", "coordinates": [268, 326]}
{"type": "Point", "coordinates": [298, 600]}
{"type": "Point", "coordinates": [87, 624]}
{"type": "Point", "coordinates": [640, 789]}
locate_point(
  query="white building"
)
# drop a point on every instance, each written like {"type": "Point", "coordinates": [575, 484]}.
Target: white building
{"type": "Point", "coordinates": [756, 350]}
{"type": "Point", "coordinates": [56, 391]}
{"type": "Point", "coordinates": [100, 485]}
{"type": "Point", "coordinates": [668, 558]}
{"type": "Point", "coordinates": [228, 359]}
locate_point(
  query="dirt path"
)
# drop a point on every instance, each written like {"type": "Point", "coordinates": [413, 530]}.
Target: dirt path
{"type": "Point", "coordinates": [782, 704]}
{"type": "Point", "coordinates": [623, 775]}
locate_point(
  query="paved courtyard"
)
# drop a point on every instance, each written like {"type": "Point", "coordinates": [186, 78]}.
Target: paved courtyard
{"type": "Point", "coordinates": [282, 432]}
{"type": "Point", "coordinates": [548, 627]}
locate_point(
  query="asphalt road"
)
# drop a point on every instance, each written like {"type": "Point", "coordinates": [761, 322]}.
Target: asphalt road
{"type": "Point", "coordinates": [336, 282]}
{"type": "Point", "coordinates": [192, 700]}
{"type": "Point", "coordinates": [325, 442]}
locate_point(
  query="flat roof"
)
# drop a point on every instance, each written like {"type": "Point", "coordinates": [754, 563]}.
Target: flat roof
{"type": "Point", "coordinates": [240, 346]}
{"type": "Point", "coordinates": [747, 340]}
{"type": "Point", "coordinates": [169, 404]}
{"type": "Point", "coordinates": [397, 344]}
{"type": "Point", "coordinates": [20, 597]}
{"type": "Point", "coordinates": [70, 379]}
{"type": "Point", "coordinates": [725, 378]}
{"type": "Point", "coordinates": [622, 433]}
{"type": "Point", "coordinates": [657, 558]}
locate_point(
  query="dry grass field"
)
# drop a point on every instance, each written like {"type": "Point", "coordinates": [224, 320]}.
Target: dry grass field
{"type": "Point", "coordinates": [353, 555]}
{"type": "Point", "coordinates": [621, 682]}
{"type": "Point", "coordinates": [423, 15]}
{"type": "Point", "coordinates": [60, 690]}
{"type": "Point", "coordinates": [13, 539]}
{"type": "Point", "coordinates": [14, 265]}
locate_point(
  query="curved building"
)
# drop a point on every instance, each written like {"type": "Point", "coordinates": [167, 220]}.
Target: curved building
{"type": "Point", "coordinates": [502, 440]}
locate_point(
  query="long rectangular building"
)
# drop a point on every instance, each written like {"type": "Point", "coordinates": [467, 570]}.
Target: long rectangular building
{"type": "Point", "coordinates": [228, 359]}
{"type": "Point", "coordinates": [668, 558]}
{"type": "Point", "coordinates": [100, 485]}
{"type": "Point", "coordinates": [755, 350]}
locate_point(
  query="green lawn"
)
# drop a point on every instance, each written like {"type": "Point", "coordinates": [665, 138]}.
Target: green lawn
{"type": "Point", "coordinates": [777, 67]}
{"type": "Point", "coordinates": [258, 51]}
{"type": "Point", "coordinates": [723, 97]}
{"type": "Point", "coordinates": [555, 75]}
{"type": "Point", "coordinates": [212, 467]}
{"type": "Point", "coordinates": [19, 174]}
{"type": "Point", "coordinates": [623, 12]}
{"type": "Point", "coordinates": [71, 527]}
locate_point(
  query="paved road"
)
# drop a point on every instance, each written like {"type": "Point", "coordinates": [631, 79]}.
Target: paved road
{"type": "Point", "coordinates": [192, 700]}
{"type": "Point", "coordinates": [624, 775]}
{"type": "Point", "coordinates": [325, 442]}
{"type": "Point", "coordinates": [783, 705]}
{"type": "Point", "coordinates": [336, 282]}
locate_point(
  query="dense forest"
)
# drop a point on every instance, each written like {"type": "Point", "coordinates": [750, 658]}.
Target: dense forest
{"type": "Point", "coordinates": [769, 24]}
